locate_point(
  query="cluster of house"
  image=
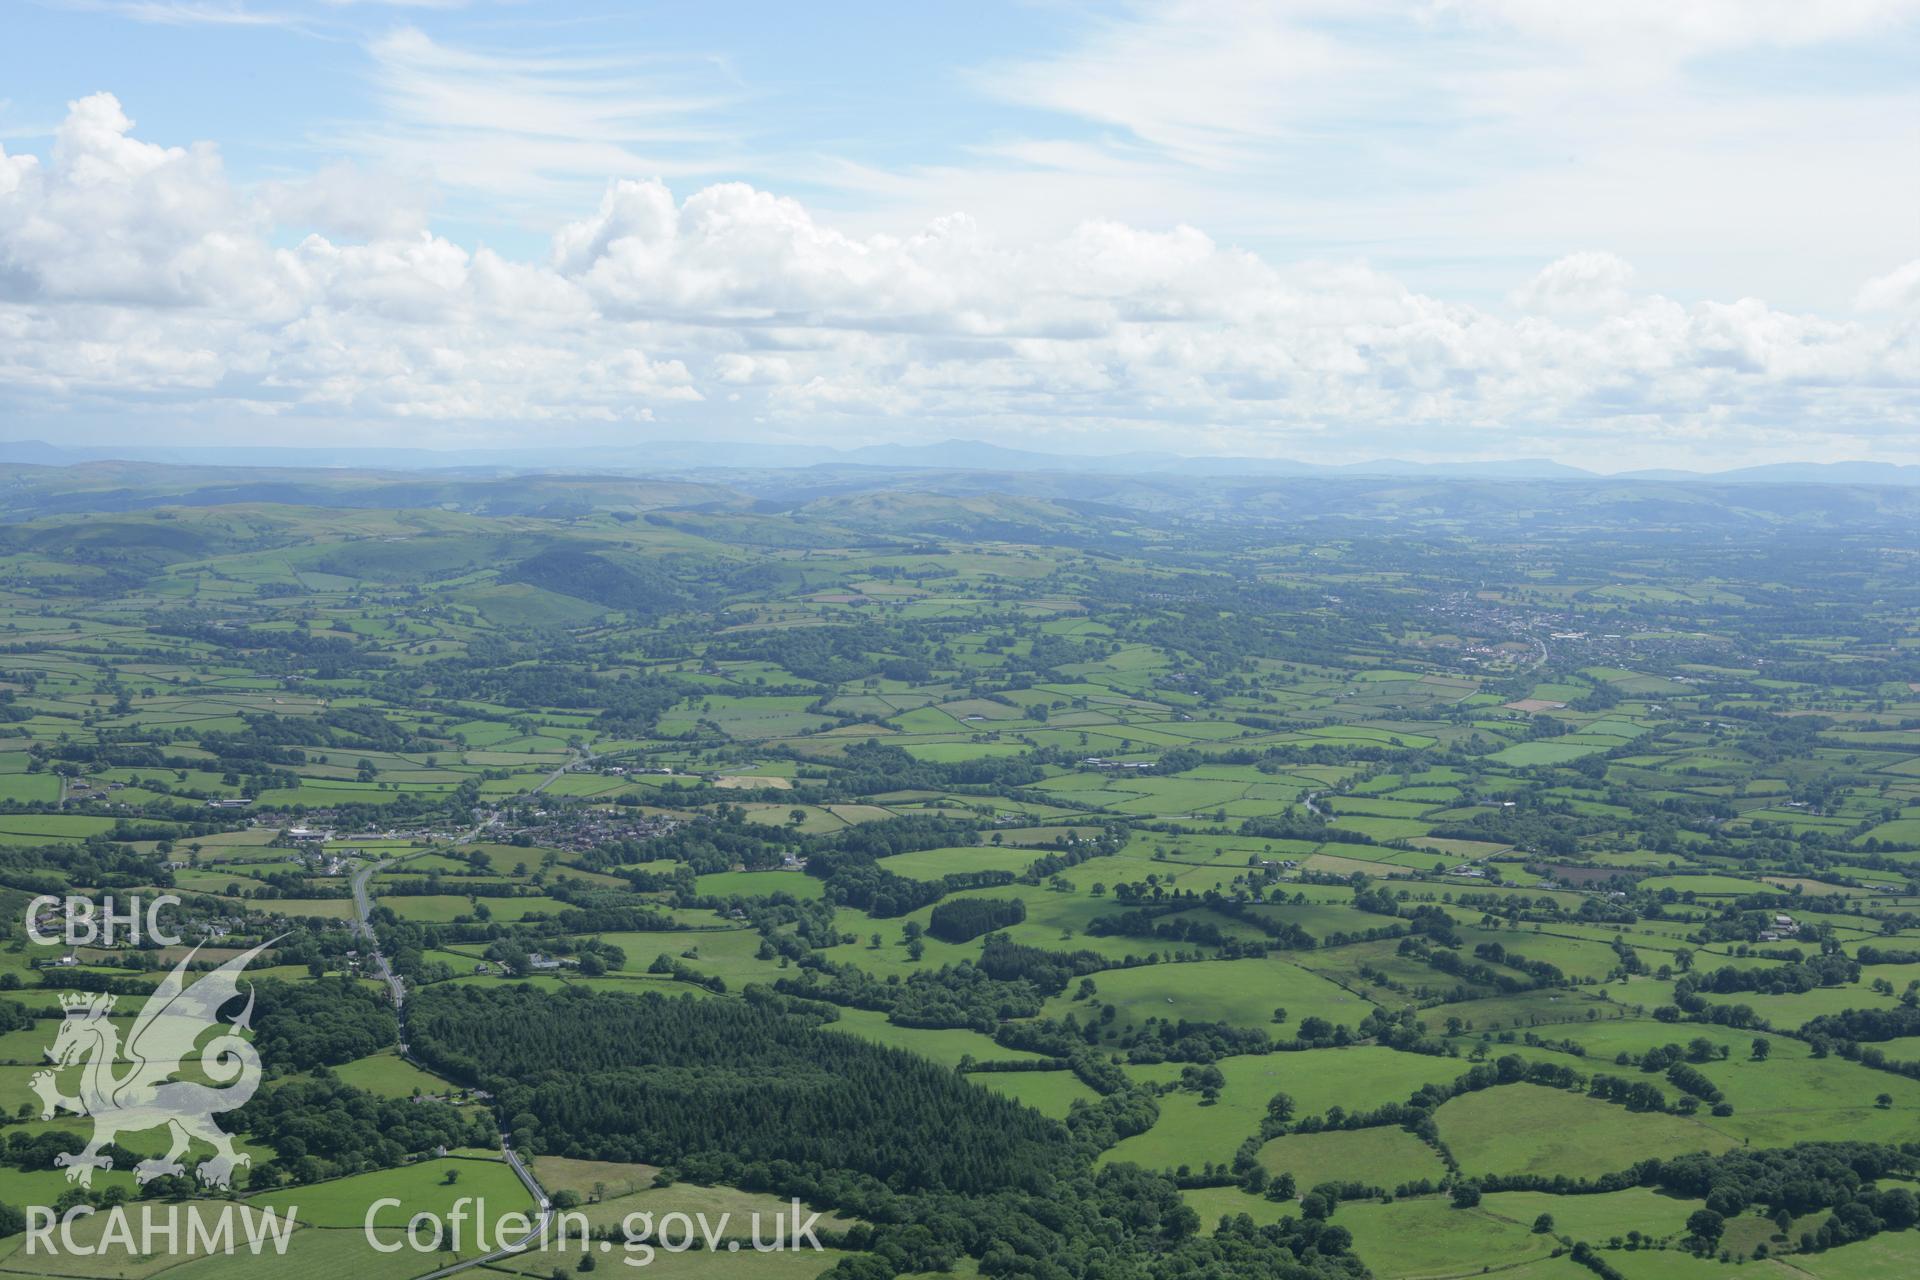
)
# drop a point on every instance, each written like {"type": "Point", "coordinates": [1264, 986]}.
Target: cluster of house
{"type": "Point", "coordinates": [582, 829]}
{"type": "Point", "coordinates": [618, 770]}
{"type": "Point", "coordinates": [82, 789]}
{"type": "Point", "coordinates": [536, 960]}
{"type": "Point", "coordinates": [320, 862]}
{"type": "Point", "coordinates": [1784, 927]}
{"type": "Point", "coordinates": [466, 1095]}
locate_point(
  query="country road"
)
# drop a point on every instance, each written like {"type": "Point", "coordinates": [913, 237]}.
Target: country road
{"type": "Point", "coordinates": [397, 988]}
{"type": "Point", "coordinates": [363, 925]}
{"type": "Point", "coordinates": [529, 1240]}
{"type": "Point", "coordinates": [584, 753]}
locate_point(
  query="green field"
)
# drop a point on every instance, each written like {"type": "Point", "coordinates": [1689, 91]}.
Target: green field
{"type": "Point", "coordinates": [1526, 1128]}
{"type": "Point", "coordinates": [1383, 1157]}
{"type": "Point", "coordinates": [726, 827]}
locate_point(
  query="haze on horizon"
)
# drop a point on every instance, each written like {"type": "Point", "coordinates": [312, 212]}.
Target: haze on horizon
{"type": "Point", "coordinates": [1643, 234]}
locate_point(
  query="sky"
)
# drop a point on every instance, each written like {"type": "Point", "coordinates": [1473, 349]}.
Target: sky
{"type": "Point", "coordinates": [1643, 233]}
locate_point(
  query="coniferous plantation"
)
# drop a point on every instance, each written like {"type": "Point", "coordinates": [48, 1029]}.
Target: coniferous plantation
{"type": "Point", "coordinates": [1171, 880]}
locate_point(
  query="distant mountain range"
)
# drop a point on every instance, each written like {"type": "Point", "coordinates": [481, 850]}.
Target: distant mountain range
{"type": "Point", "coordinates": [680, 456]}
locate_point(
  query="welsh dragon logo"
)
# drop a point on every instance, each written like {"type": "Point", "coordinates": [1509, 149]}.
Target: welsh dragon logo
{"type": "Point", "coordinates": [143, 1096]}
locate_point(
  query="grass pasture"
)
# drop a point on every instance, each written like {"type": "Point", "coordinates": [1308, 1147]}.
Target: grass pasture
{"type": "Point", "coordinates": [1526, 1128]}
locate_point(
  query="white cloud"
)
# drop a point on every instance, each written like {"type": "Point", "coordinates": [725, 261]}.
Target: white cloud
{"type": "Point", "coordinates": [1661, 30]}
{"type": "Point", "coordinates": [15, 170]}
{"type": "Point", "coordinates": [1896, 290]}
{"type": "Point", "coordinates": [112, 218]}
{"type": "Point", "coordinates": [183, 13]}
{"type": "Point", "coordinates": [534, 128]}
{"type": "Point", "coordinates": [346, 200]}
{"type": "Point", "coordinates": [138, 277]}
{"type": "Point", "coordinates": [1730, 141]}
{"type": "Point", "coordinates": [1197, 79]}
{"type": "Point", "coordinates": [1580, 283]}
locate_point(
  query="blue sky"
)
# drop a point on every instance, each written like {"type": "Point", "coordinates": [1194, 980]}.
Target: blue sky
{"type": "Point", "coordinates": [1642, 233]}
{"type": "Point", "coordinates": [755, 90]}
